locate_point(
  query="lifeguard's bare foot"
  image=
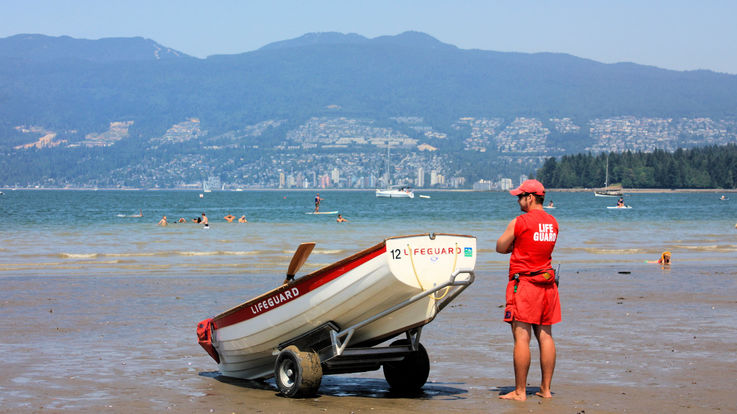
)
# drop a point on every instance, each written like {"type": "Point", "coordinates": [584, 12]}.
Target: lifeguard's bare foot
{"type": "Point", "coordinates": [514, 395]}
{"type": "Point", "coordinates": [546, 394]}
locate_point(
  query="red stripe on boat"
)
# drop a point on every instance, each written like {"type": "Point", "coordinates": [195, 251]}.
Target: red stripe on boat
{"type": "Point", "coordinates": [290, 292]}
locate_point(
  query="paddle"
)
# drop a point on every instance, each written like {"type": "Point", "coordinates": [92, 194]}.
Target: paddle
{"type": "Point", "coordinates": [299, 258]}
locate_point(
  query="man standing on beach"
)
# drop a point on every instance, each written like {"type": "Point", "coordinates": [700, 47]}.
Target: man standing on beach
{"type": "Point", "coordinates": [532, 302]}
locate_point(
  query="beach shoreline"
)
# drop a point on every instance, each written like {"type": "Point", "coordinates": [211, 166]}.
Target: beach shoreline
{"type": "Point", "coordinates": [428, 190]}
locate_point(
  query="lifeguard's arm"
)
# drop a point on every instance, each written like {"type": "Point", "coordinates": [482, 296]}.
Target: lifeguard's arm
{"type": "Point", "coordinates": [505, 243]}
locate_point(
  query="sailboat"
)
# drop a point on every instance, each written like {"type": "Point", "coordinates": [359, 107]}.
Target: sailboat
{"type": "Point", "coordinates": [607, 191]}
{"type": "Point", "coordinates": [393, 191]}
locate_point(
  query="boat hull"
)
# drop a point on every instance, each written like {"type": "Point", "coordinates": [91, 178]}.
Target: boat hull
{"type": "Point", "coordinates": [390, 193]}
{"type": "Point", "coordinates": [344, 294]}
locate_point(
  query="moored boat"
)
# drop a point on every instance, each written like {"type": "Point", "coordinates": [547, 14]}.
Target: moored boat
{"type": "Point", "coordinates": [335, 316]}
{"type": "Point", "coordinates": [607, 190]}
{"type": "Point", "coordinates": [395, 192]}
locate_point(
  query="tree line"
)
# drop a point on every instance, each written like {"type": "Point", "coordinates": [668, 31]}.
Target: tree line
{"type": "Point", "coordinates": [701, 167]}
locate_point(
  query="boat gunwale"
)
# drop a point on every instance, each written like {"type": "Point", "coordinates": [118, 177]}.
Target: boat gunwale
{"type": "Point", "coordinates": [317, 274]}
{"type": "Point", "coordinates": [306, 278]}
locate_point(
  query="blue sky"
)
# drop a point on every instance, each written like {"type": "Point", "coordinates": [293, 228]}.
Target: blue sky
{"type": "Point", "coordinates": [674, 34]}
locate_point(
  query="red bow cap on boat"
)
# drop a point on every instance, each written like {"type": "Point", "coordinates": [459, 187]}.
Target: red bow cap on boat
{"type": "Point", "coordinates": [529, 187]}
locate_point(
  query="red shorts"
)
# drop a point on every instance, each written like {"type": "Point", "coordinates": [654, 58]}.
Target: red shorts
{"type": "Point", "coordinates": [533, 303]}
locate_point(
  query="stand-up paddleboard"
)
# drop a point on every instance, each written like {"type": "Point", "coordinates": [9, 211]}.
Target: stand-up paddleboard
{"type": "Point", "coordinates": [323, 212]}
{"type": "Point", "coordinates": [618, 208]}
{"type": "Point", "coordinates": [548, 207]}
{"type": "Point", "coordinates": [424, 196]}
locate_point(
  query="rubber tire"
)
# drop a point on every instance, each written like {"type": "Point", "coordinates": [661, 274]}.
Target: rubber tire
{"type": "Point", "coordinates": [409, 374]}
{"type": "Point", "coordinates": [297, 374]}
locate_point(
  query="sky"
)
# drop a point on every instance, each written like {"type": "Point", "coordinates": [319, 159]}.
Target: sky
{"type": "Point", "coordinates": [673, 34]}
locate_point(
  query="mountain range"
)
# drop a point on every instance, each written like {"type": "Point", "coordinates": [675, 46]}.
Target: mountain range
{"type": "Point", "coordinates": [76, 87]}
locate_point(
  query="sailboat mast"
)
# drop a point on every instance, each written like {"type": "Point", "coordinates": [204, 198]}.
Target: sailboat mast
{"type": "Point", "coordinates": [387, 164]}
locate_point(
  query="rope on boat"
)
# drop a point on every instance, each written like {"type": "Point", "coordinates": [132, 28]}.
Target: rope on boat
{"type": "Point", "coordinates": [414, 270]}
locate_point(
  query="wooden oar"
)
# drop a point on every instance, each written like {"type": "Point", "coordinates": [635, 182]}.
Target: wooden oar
{"type": "Point", "coordinates": [299, 258]}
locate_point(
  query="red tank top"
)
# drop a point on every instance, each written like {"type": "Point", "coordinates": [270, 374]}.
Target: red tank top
{"type": "Point", "coordinates": [535, 233]}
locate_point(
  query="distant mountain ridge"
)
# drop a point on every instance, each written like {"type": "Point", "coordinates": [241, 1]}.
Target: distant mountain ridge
{"type": "Point", "coordinates": [136, 79]}
{"type": "Point", "coordinates": [132, 112]}
{"type": "Point", "coordinates": [323, 38]}
{"type": "Point", "coordinates": [406, 39]}
{"type": "Point", "coordinates": [41, 48]}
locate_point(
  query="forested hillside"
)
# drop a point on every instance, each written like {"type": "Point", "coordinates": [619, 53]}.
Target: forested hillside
{"type": "Point", "coordinates": [705, 167]}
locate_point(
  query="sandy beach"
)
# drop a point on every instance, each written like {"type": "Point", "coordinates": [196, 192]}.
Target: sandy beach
{"type": "Point", "coordinates": [652, 340]}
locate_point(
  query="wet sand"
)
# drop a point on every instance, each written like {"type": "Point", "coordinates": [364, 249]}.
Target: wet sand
{"type": "Point", "coordinates": [652, 340]}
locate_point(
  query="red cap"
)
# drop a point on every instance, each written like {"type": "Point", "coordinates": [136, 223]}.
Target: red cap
{"type": "Point", "coordinates": [530, 187]}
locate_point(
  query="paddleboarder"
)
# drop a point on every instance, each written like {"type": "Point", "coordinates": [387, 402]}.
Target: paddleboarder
{"type": "Point", "coordinates": [532, 303]}
{"type": "Point", "coordinates": [317, 203]}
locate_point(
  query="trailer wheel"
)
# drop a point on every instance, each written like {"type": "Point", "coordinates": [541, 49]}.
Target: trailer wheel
{"type": "Point", "coordinates": [297, 373]}
{"type": "Point", "coordinates": [409, 374]}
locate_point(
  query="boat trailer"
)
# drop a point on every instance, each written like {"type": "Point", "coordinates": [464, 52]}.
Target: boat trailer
{"type": "Point", "coordinates": [302, 361]}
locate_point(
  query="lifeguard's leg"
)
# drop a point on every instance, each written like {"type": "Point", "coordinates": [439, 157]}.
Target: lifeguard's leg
{"type": "Point", "coordinates": [522, 333]}
{"type": "Point", "coordinates": [544, 335]}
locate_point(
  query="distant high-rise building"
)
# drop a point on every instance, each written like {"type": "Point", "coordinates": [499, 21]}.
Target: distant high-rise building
{"type": "Point", "coordinates": [441, 179]}
{"type": "Point", "coordinates": [335, 175]}
{"type": "Point", "coordinates": [282, 180]}
{"type": "Point", "coordinates": [457, 182]}
{"type": "Point", "coordinates": [505, 184]}
{"type": "Point", "coordinates": [325, 181]}
{"type": "Point", "coordinates": [299, 181]}
{"type": "Point", "coordinates": [433, 178]}
{"type": "Point", "coordinates": [483, 185]}
{"type": "Point", "coordinates": [420, 177]}
{"type": "Point", "coordinates": [522, 178]}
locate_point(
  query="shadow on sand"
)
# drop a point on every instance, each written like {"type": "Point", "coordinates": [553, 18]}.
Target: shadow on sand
{"type": "Point", "coordinates": [505, 390]}
{"type": "Point", "coordinates": [344, 386]}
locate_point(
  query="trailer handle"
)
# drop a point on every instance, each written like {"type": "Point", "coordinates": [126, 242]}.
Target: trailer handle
{"type": "Point", "coordinates": [340, 346]}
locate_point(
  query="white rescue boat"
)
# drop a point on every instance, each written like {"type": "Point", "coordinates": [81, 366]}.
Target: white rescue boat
{"type": "Point", "coordinates": [331, 320]}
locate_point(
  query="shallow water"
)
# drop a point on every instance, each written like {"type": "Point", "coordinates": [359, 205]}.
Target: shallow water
{"type": "Point", "coordinates": [82, 232]}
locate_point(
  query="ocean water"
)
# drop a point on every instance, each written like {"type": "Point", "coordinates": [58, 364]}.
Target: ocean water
{"type": "Point", "coordinates": [95, 300]}
{"type": "Point", "coordinates": [83, 233]}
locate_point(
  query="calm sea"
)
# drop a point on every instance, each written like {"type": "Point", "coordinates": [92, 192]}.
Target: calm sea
{"type": "Point", "coordinates": [82, 233]}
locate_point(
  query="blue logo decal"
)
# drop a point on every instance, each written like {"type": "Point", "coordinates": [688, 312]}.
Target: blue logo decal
{"type": "Point", "coordinates": [468, 251]}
